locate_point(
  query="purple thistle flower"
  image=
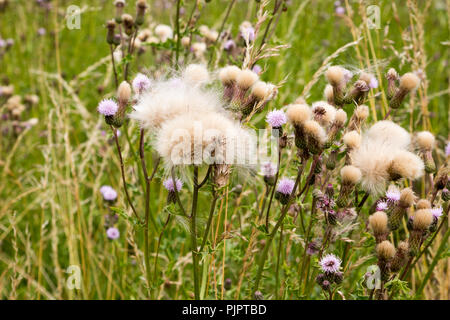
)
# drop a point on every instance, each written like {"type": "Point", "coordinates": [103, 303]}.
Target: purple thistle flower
{"type": "Point", "coordinates": [393, 194]}
{"type": "Point", "coordinates": [447, 149]}
{"type": "Point", "coordinates": [348, 75]}
{"type": "Point", "coordinates": [330, 263]}
{"type": "Point", "coordinates": [257, 69]}
{"type": "Point", "coordinates": [112, 233]}
{"type": "Point", "coordinates": [248, 33]}
{"type": "Point", "coordinates": [107, 107]}
{"type": "Point", "coordinates": [436, 212]}
{"type": "Point", "coordinates": [141, 83]}
{"type": "Point", "coordinates": [229, 44]}
{"type": "Point", "coordinates": [285, 186]}
{"type": "Point", "coordinates": [169, 185]}
{"type": "Point", "coordinates": [41, 31]}
{"type": "Point", "coordinates": [382, 206]}
{"type": "Point", "coordinates": [340, 10]}
{"type": "Point", "coordinates": [2, 43]}
{"type": "Point", "coordinates": [373, 83]}
{"type": "Point", "coordinates": [268, 169]}
{"type": "Point", "coordinates": [312, 248]}
{"type": "Point", "coordinates": [276, 118]}
{"type": "Point", "coordinates": [108, 193]}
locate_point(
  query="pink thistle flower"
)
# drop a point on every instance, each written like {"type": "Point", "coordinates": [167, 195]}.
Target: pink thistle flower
{"type": "Point", "coordinates": [373, 83]}
{"type": "Point", "coordinates": [436, 212]}
{"type": "Point", "coordinates": [382, 206]}
{"type": "Point", "coordinates": [330, 263]}
{"type": "Point", "coordinates": [340, 10]}
{"type": "Point", "coordinates": [268, 169]}
{"type": "Point", "coordinates": [141, 83]}
{"type": "Point", "coordinates": [107, 107]}
{"type": "Point", "coordinates": [257, 69]}
{"type": "Point", "coordinates": [108, 193]}
{"type": "Point", "coordinates": [248, 33]}
{"type": "Point", "coordinates": [229, 44]}
{"type": "Point", "coordinates": [393, 194]}
{"type": "Point", "coordinates": [285, 186]}
{"type": "Point", "coordinates": [447, 149]}
{"type": "Point", "coordinates": [276, 118]}
{"type": "Point", "coordinates": [169, 185]}
{"type": "Point", "coordinates": [112, 233]}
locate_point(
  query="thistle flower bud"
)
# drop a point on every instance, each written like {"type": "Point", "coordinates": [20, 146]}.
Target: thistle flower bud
{"type": "Point", "coordinates": [111, 26]}
{"type": "Point", "coordinates": [128, 23]}
{"type": "Point", "coordinates": [119, 4]}
{"type": "Point", "coordinates": [269, 170]}
{"type": "Point", "coordinates": [141, 7]}
{"type": "Point", "coordinates": [408, 82]}
{"type": "Point", "coordinates": [442, 178]}
{"type": "Point", "coordinates": [358, 93]}
{"type": "Point", "coordinates": [378, 222]}
{"type": "Point", "coordinates": [391, 76]}
{"type": "Point", "coordinates": [401, 256]}
{"type": "Point", "coordinates": [445, 195]}
{"type": "Point", "coordinates": [331, 160]}
{"type": "Point", "coordinates": [350, 176]}
{"type": "Point", "coordinates": [258, 295]}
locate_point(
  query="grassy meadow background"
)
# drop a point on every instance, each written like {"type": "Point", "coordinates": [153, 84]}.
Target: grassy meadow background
{"type": "Point", "coordinates": [51, 210]}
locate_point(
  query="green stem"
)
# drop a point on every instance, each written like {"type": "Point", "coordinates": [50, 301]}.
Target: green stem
{"type": "Point", "coordinates": [194, 235]}
{"type": "Point", "coordinates": [284, 211]}
{"type": "Point", "coordinates": [177, 26]}
{"type": "Point", "coordinates": [439, 252]}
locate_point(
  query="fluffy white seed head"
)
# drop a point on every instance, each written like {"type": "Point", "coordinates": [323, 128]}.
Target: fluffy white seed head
{"type": "Point", "coordinates": [407, 197]}
{"type": "Point", "coordinates": [246, 78]}
{"type": "Point", "coordinates": [202, 138]}
{"type": "Point", "coordinates": [350, 175]}
{"type": "Point", "coordinates": [124, 92]}
{"type": "Point", "coordinates": [373, 159]}
{"type": "Point", "coordinates": [323, 113]}
{"type": "Point", "coordinates": [361, 112]}
{"type": "Point", "coordinates": [388, 132]}
{"type": "Point", "coordinates": [298, 113]}
{"type": "Point", "coordinates": [407, 165]}
{"type": "Point", "coordinates": [260, 90]}
{"type": "Point", "coordinates": [196, 74]}
{"type": "Point", "coordinates": [341, 118]}
{"type": "Point", "coordinates": [423, 204]}
{"type": "Point", "coordinates": [385, 250]}
{"type": "Point", "coordinates": [422, 219]}
{"type": "Point", "coordinates": [409, 81]}
{"type": "Point", "coordinates": [335, 75]}
{"type": "Point", "coordinates": [328, 92]}
{"type": "Point", "coordinates": [352, 140]}
{"type": "Point", "coordinates": [163, 32]}
{"type": "Point", "coordinates": [314, 129]}
{"type": "Point", "coordinates": [425, 140]}
{"type": "Point", "coordinates": [378, 222]}
{"type": "Point", "coordinates": [229, 74]}
{"type": "Point", "coordinates": [168, 99]}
